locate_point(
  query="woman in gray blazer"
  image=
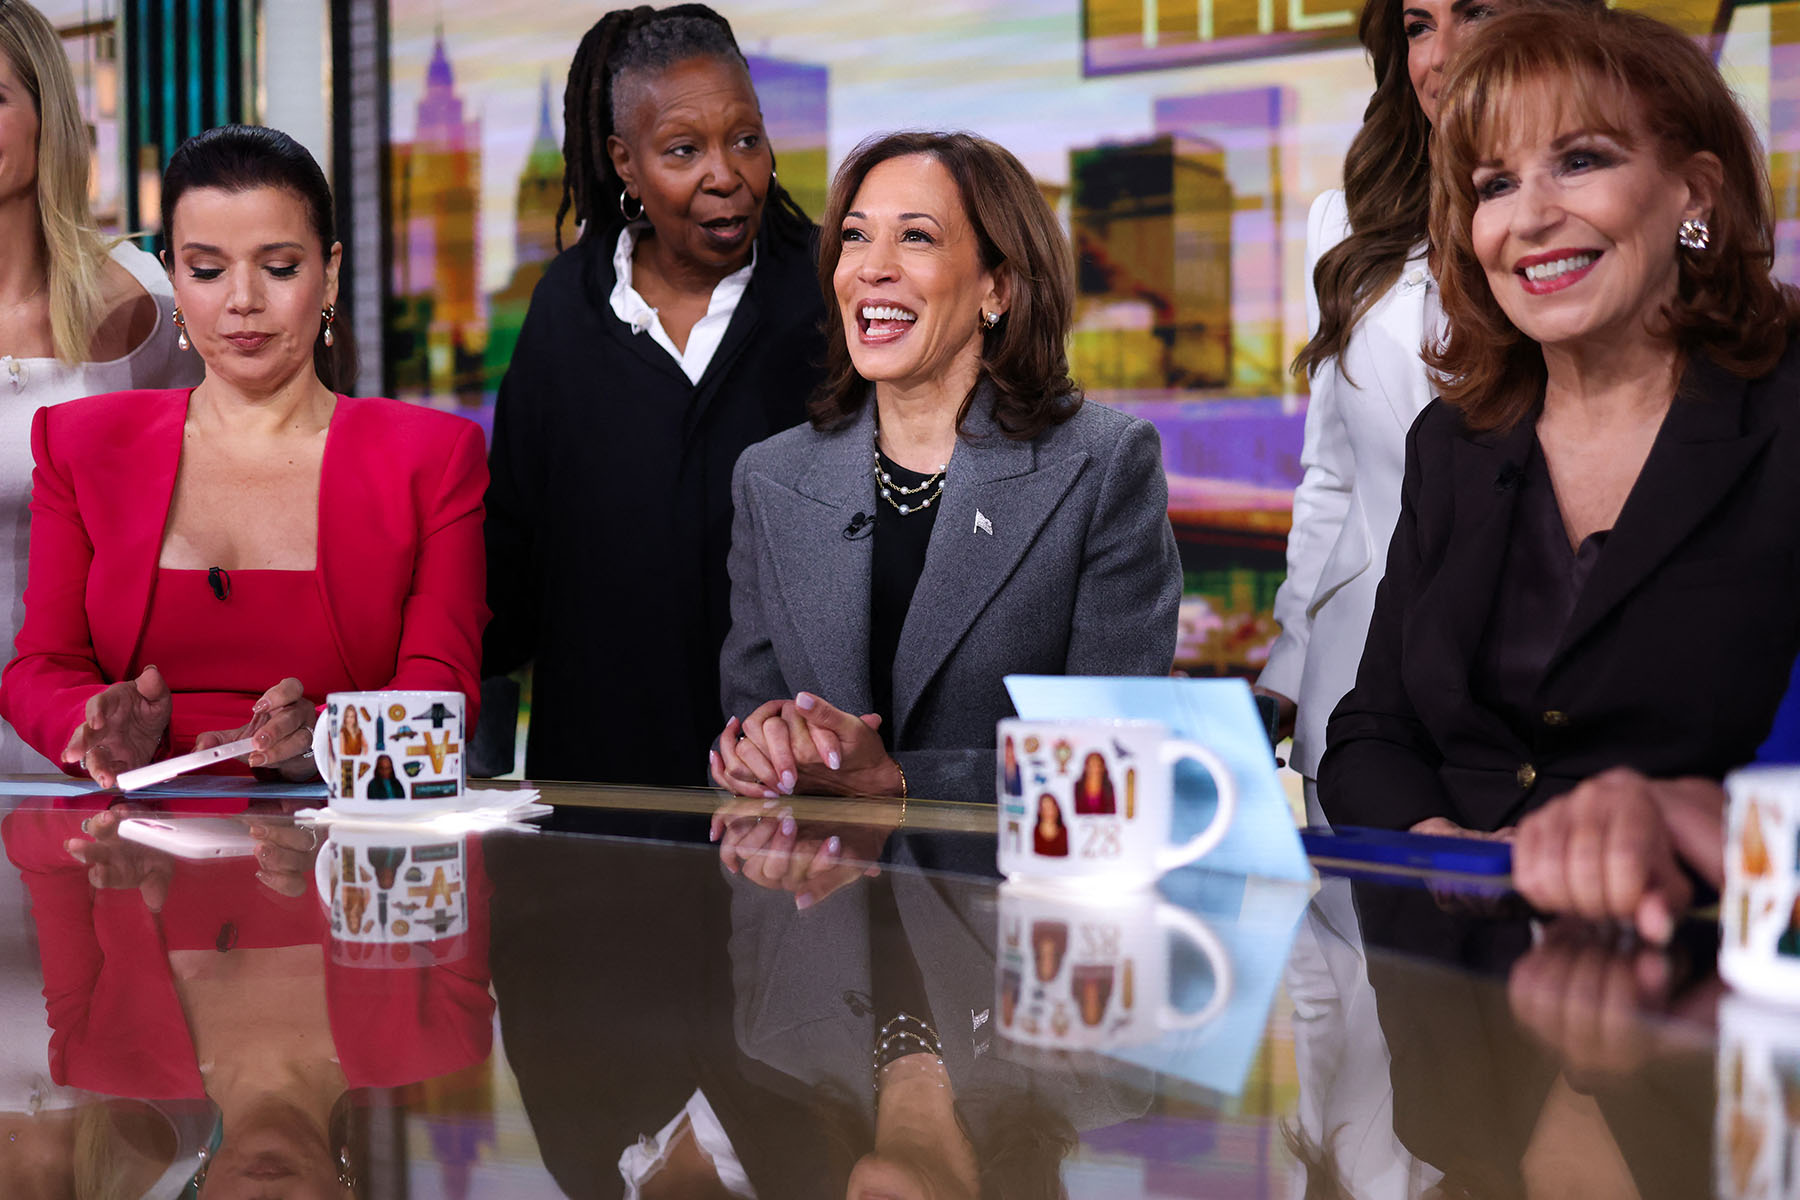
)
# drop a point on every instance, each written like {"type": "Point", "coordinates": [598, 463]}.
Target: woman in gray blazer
{"type": "Point", "coordinates": [953, 513]}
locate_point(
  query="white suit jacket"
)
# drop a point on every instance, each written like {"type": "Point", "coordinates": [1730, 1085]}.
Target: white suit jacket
{"type": "Point", "coordinates": [1353, 458]}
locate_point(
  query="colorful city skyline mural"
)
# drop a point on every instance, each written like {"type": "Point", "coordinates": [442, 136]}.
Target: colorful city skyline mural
{"type": "Point", "coordinates": [1181, 148]}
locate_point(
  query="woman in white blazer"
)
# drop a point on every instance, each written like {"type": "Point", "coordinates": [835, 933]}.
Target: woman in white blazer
{"type": "Point", "coordinates": [1371, 305]}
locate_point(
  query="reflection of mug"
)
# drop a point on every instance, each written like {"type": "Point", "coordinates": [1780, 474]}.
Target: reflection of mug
{"type": "Point", "coordinates": [395, 898]}
{"type": "Point", "coordinates": [1083, 800]}
{"type": "Point", "coordinates": [1077, 974]}
{"type": "Point", "coordinates": [1758, 1107]}
{"type": "Point", "coordinates": [1759, 914]}
{"type": "Point", "coordinates": [391, 752]}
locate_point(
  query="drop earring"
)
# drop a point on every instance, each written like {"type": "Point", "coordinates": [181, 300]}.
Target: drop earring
{"type": "Point", "coordinates": [330, 314]}
{"type": "Point", "coordinates": [181, 339]}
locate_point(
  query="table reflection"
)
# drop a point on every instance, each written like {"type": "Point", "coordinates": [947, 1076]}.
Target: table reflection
{"type": "Point", "coordinates": [669, 1028]}
{"type": "Point", "coordinates": [179, 981]}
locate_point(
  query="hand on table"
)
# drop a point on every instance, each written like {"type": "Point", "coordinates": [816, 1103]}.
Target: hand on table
{"type": "Point", "coordinates": [1444, 827]}
{"type": "Point", "coordinates": [281, 721]}
{"type": "Point", "coordinates": [284, 851]}
{"type": "Point", "coordinates": [806, 745]}
{"type": "Point", "coordinates": [1613, 849]}
{"type": "Point", "coordinates": [122, 727]}
{"type": "Point", "coordinates": [768, 847]}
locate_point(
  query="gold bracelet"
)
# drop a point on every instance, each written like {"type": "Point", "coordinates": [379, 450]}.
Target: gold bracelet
{"type": "Point", "coordinates": [903, 793]}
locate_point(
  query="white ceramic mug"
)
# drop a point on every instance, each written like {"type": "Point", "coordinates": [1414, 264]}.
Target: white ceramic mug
{"type": "Point", "coordinates": [392, 752]}
{"type": "Point", "coordinates": [1092, 801]}
{"type": "Point", "coordinates": [1090, 974]}
{"type": "Point", "coordinates": [395, 898]}
{"type": "Point", "coordinates": [1759, 914]}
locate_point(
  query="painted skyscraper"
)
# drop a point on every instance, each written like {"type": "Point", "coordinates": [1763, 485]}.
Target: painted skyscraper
{"type": "Point", "coordinates": [441, 328]}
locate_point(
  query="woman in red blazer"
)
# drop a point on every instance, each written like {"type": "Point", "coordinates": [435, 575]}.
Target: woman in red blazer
{"type": "Point", "coordinates": [192, 548]}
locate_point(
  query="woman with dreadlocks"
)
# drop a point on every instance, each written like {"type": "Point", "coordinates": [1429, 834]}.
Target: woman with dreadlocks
{"type": "Point", "coordinates": [681, 326]}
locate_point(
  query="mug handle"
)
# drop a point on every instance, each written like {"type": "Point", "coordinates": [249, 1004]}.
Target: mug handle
{"type": "Point", "coordinates": [1201, 843]}
{"type": "Point", "coordinates": [324, 761]}
{"type": "Point", "coordinates": [322, 867]}
{"type": "Point", "coordinates": [1185, 923]}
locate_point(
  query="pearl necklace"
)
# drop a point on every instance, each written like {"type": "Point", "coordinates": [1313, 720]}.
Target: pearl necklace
{"type": "Point", "coordinates": [888, 488]}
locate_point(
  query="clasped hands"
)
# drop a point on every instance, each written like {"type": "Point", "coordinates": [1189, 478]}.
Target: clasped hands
{"type": "Point", "coordinates": [127, 721]}
{"type": "Point", "coordinates": [807, 745]}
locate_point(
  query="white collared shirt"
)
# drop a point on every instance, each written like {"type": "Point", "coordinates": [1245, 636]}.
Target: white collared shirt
{"type": "Point", "coordinates": [703, 340]}
{"type": "Point", "coordinates": [640, 1162]}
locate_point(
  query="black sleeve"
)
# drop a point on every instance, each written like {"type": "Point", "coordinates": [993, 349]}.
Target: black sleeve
{"type": "Point", "coordinates": [514, 498]}
{"type": "Point", "coordinates": [1381, 764]}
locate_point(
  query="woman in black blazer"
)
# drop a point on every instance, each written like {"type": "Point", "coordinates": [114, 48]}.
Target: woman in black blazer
{"type": "Point", "coordinates": [1595, 565]}
{"type": "Point", "coordinates": [681, 328]}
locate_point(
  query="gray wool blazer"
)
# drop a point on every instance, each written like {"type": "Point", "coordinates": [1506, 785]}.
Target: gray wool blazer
{"type": "Point", "coordinates": [1079, 576]}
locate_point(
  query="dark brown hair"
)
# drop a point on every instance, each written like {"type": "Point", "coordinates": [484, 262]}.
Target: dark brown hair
{"type": "Point", "coordinates": [1615, 72]}
{"type": "Point", "coordinates": [1387, 188]}
{"type": "Point", "coordinates": [241, 158]}
{"type": "Point", "coordinates": [1025, 356]}
{"type": "Point", "coordinates": [623, 42]}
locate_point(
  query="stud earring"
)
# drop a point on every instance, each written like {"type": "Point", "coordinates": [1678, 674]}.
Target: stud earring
{"type": "Point", "coordinates": [1695, 234]}
{"type": "Point", "coordinates": [624, 195]}
{"type": "Point", "coordinates": [181, 339]}
{"type": "Point", "coordinates": [329, 312]}
{"type": "Point", "coordinates": [989, 320]}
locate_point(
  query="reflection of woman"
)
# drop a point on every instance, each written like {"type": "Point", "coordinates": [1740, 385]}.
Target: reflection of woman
{"type": "Point", "coordinates": [1016, 529]}
{"type": "Point", "coordinates": [354, 742]}
{"type": "Point", "coordinates": [1050, 837]}
{"type": "Point", "coordinates": [1049, 942]}
{"type": "Point", "coordinates": [144, 549]}
{"type": "Point", "coordinates": [1371, 305]}
{"type": "Point", "coordinates": [169, 979]}
{"type": "Point", "coordinates": [681, 328]}
{"type": "Point", "coordinates": [76, 318]}
{"type": "Point", "coordinates": [1094, 790]}
{"type": "Point", "coordinates": [1616, 453]}
{"type": "Point", "coordinates": [383, 785]}
{"type": "Point", "coordinates": [1015, 784]}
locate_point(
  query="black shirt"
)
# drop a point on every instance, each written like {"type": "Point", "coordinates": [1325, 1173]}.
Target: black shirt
{"type": "Point", "coordinates": [900, 542]}
{"type": "Point", "coordinates": [1540, 582]}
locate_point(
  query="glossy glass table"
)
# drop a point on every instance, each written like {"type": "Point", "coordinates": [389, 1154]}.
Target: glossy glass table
{"type": "Point", "coordinates": [541, 1013]}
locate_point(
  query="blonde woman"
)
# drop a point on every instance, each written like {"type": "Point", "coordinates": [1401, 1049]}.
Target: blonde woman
{"type": "Point", "coordinates": [76, 318]}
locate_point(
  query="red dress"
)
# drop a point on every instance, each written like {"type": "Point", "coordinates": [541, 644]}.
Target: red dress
{"type": "Point", "coordinates": [220, 655]}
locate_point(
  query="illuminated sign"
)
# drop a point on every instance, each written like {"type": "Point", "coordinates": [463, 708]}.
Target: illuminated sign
{"type": "Point", "coordinates": [1146, 35]}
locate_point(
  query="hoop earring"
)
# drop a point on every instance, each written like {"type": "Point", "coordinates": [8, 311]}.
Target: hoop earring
{"type": "Point", "coordinates": [625, 194]}
{"type": "Point", "coordinates": [1695, 234]}
{"type": "Point", "coordinates": [181, 339]}
{"type": "Point", "coordinates": [329, 312]}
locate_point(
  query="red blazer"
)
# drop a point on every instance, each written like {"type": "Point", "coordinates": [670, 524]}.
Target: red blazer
{"type": "Point", "coordinates": [116, 1024]}
{"type": "Point", "coordinates": [401, 568]}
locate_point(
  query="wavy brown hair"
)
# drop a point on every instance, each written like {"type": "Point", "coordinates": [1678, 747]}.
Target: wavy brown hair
{"type": "Point", "coordinates": [1630, 77]}
{"type": "Point", "coordinates": [1387, 188]}
{"type": "Point", "coordinates": [1025, 356]}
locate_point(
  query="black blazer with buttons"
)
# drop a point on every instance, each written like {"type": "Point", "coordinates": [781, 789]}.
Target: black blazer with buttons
{"type": "Point", "coordinates": [1673, 661]}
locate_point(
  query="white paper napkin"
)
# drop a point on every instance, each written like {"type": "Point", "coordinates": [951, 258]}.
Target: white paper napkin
{"type": "Point", "coordinates": [487, 808]}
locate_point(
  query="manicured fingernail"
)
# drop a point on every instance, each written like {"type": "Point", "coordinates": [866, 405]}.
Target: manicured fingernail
{"type": "Point", "coordinates": [265, 878]}
{"type": "Point", "coordinates": [712, 835]}
{"type": "Point", "coordinates": [787, 782]}
{"type": "Point", "coordinates": [259, 831]}
{"type": "Point", "coordinates": [803, 901]}
{"type": "Point", "coordinates": [87, 824]}
{"type": "Point", "coordinates": [771, 795]}
{"type": "Point", "coordinates": [787, 827]}
{"type": "Point", "coordinates": [832, 844]}
{"type": "Point", "coordinates": [260, 706]}
{"type": "Point", "coordinates": [805, 700]}
{"type": "Point", "coordinates": [834, 759]}
{"type": "Point", "coordinates": [257, 758]}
